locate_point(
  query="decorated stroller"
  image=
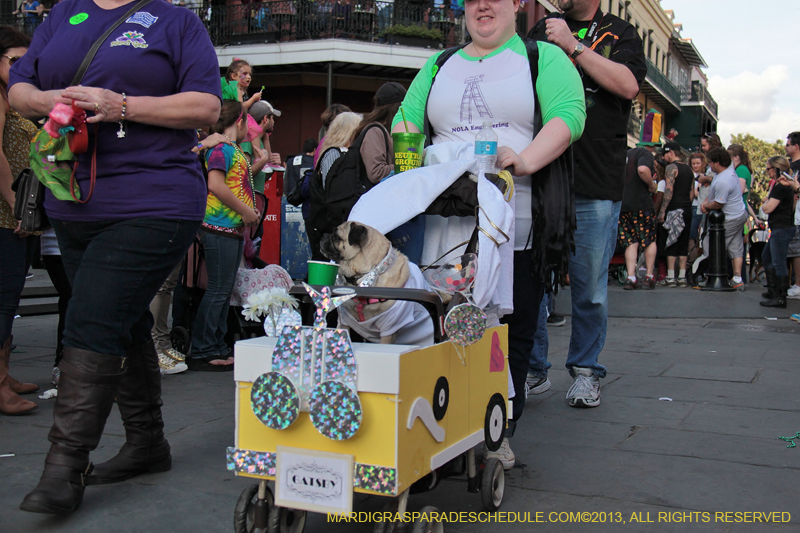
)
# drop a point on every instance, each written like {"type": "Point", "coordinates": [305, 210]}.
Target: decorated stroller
{"type": "Point", "coordinates": [323, 418]}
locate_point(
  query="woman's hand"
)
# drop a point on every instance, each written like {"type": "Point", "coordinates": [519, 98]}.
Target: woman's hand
{"type": "Point", "coordinates": [106, 105]}
{"type": "Point", "coordinates": [506, 157]}
{"type": "Point", "coordinates": [250, 217]}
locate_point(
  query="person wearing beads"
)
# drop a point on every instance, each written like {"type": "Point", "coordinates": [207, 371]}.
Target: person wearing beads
{"type": "Point", "coordinates": [229, 209]}
{"type": "Point", "coordinates": [118, 247]}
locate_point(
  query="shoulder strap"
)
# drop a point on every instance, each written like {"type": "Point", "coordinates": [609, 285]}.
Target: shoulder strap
{"type": "Point", "coordinates": [533, 59]}
{"type": "Point", "coordinates": [99, 42]}
{"type": "Point", "coordinates": [427, 128]}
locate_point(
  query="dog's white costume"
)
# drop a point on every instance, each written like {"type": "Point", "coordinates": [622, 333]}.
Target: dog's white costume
{"type": "Point", "coordinates": [408, 320]}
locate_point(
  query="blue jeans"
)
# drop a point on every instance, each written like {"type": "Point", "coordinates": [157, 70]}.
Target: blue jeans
{"type": "Point", "coordinates": [777, 247]}
{"type": "Point", "coordinates": [222, 255]}
{"type": "Point", "coordinates": [115, 269]}
{"type": "Point", "coordinates": [595, 237]}
{"type": "Point", "coordinates": [13, 267]}
{"type": "Point", "coordinates": [538, 364]}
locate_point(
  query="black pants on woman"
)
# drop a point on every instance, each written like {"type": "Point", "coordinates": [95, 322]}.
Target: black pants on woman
{"type": "Point", "coordinates": [522, 326]}
{"type": "Point", "coordinates": [115, 269]}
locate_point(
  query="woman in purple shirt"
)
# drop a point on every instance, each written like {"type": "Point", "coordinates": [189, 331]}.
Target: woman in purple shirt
{"type": "Point", "coordinates": [154, 80]}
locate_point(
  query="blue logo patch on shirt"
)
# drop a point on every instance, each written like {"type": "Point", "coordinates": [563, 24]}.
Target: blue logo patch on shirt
{"type": "Point", "coordinates": [143, 18]}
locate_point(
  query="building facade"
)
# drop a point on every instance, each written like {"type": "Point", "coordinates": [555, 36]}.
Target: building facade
{"type": "Point", "coordinates": [307, 54]}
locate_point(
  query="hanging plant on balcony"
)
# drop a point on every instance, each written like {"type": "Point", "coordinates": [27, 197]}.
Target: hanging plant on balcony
{"type": "Point", "coordinates": [419, 35]}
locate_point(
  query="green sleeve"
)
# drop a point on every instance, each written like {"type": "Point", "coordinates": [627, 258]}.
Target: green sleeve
{"type": "Point", "coordinates": [560, 89]}
{"type": "Point", "coordinates": [417, 95]}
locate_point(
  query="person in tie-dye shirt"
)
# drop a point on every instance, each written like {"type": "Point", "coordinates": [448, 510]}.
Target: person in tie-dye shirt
{"type": "Point", "coordinates": [230, 208]}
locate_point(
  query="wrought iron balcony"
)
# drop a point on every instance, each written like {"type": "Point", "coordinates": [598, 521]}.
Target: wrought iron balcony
{"type": "Point", "coordinates": [295, 20]}
{"type": "Point", "coordinates": [284, 20]}
{"type": "Point", "coordinates": [700, 94]}
{"type": "Point", "coordinates": [661, 90]}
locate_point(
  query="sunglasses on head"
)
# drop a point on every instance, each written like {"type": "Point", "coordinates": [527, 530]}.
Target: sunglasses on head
{"type": "Point", "coordinates": [11, 59]}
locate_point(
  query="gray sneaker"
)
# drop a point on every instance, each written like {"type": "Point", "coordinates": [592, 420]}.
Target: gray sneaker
{"type": "Point", "coordinates": [536, 385]}
{"type": "Point", "coordinates": [585, 390]}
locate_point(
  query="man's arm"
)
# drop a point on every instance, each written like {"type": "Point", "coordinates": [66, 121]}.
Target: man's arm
{"type": "Point", "coordinates": [711, 206]}
{"type": "Point", "coordinates": [613, 77]}
{"type": "Point", "coordinates": [671, 173]}
{"type": "Point", "coordinates": [647, 177]}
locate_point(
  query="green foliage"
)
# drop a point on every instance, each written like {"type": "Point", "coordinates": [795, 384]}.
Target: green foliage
{"type": "Point", "coordinates": [413, 31]}
{"type": "Point", "coordinates": [759, 151]}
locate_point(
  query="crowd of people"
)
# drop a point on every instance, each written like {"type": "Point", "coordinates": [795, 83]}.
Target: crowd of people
{"type": "Point", "coordinates": [180, 159]}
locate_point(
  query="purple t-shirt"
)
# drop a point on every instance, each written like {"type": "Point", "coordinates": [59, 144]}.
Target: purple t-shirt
{"type": "Point", "coordinates": [161, 50]}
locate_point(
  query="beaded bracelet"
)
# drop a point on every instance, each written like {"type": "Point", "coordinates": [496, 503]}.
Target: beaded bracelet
{"type": "Point", "coordinates": [121, 132]}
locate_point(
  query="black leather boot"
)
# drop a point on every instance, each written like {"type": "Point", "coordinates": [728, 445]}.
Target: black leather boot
{"type": "Point", "coordinates": [139, 402]}
{"type": "Point", "coordinates": [769, 272]}
{"type": "Point", "coordinates": [85, 396]}
{"type": "Point", "coordinates": [779, 299]}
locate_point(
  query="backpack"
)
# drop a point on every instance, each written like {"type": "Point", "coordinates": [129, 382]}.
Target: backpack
{"type": "Point", "coordinates": [345, 182]}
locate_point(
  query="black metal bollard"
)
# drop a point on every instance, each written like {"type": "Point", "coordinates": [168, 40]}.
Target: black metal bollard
{"type": "Point", "coordinates": [717, 273]}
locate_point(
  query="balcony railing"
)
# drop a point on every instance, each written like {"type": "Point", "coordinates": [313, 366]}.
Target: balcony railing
{"type": "Point", "coordinates": [297, 20]}
{"type": "Point", "coordinates": [663, 84]}
{"type": "Point", "coordinates": [700, 94]}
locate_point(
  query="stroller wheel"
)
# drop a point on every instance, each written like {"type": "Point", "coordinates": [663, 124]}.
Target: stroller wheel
{"type": "Point", "coordinates": [181, 339]}
{"type": "Point", "coordinates": [622, 274]}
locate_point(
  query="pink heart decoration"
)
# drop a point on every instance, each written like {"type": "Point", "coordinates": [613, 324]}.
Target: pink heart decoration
{"type": "Point", "coordinates": [497, 360]}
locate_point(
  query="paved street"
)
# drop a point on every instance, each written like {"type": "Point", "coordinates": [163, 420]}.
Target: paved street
{"type": "Point", "coordinates": [731, 375]}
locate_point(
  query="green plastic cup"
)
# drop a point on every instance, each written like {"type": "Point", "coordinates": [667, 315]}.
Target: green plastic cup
{"type": "Point", "coordinates": [321, 273]}
{"type": "Point", "coordinates": [408, 149]}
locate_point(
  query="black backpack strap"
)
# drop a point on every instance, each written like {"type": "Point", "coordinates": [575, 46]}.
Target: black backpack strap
{"type": "Point", "coordinates": [427, 128]}
{"type": "Point", "coordinates": [533, 59]}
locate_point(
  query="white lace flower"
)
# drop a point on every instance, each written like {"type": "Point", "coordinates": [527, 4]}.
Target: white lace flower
{"type": "Point", "coordinates": [268, 301]}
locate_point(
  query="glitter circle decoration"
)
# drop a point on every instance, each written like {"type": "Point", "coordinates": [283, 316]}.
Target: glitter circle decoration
{"type": "Point", "coordinates": [456, 275]}
{"type": "Point", "coordinates": [335, 410]}
{"type": "Point", "coordinates": [465, 324]}
{"type": "Point", "coordinates": [274, 400]}
{"type": "Point", "coordinates": [288, 317]}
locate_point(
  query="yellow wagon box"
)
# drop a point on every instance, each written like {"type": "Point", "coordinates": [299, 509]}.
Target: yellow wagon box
{"type": "Point", "coordinates": [420, 408]}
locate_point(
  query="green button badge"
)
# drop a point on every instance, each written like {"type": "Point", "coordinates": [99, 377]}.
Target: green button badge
{"type": "Point", "coordinates": [77, 19]}
{"type": "Point", "coordinates": [581, 33]}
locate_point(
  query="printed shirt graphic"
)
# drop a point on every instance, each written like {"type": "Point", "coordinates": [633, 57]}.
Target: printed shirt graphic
{"type": "Point", "coordinates": [229, 160]}
{"type": "Point", "coordinates": [468, 91]}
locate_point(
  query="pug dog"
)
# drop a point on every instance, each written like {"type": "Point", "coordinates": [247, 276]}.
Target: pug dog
{"type": "Point", "coordinates": [364, 259]}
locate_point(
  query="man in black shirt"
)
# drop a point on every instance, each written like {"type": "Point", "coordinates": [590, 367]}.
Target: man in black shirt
{"type": "Point", "coordinates": [637, 221]}
{"type": "Point", "coordinates": [793, 154]}
{"type": "Point", "coordinates": [678, 194]}
{"type": "Point", "coordinates": [609, 56]}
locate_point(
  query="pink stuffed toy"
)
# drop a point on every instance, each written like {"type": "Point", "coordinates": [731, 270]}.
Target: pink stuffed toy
{"type": "Point", "coordinates": [60, 116]}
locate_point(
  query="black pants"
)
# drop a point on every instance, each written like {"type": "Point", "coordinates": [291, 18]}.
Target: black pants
{"type": "Point", "coordinates": [521, 330]}
{"type": "Point", "coordinates": [55, 269]}
{"type": "Point", "coordinates": [115, 269]}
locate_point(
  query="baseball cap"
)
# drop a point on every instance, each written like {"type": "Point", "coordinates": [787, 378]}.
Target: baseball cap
{"type": "Point", "coordinates": [390, 92]}
{"type": "Point", "coordinates": [672, 147]}
{"type": "Point", "coordinates": [261, 109]}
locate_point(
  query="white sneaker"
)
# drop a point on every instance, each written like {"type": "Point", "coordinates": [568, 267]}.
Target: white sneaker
{"type": "Point", "coordinates": [585, 391]}
{"type": "Point", "coordinates": [503, 453]}
{"type": "Point", "coordinates": [536, 385]}
{"type": "Point", "coordinates": [793, 292]}
{"type": "Point", "coordinates": [169, 365]}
